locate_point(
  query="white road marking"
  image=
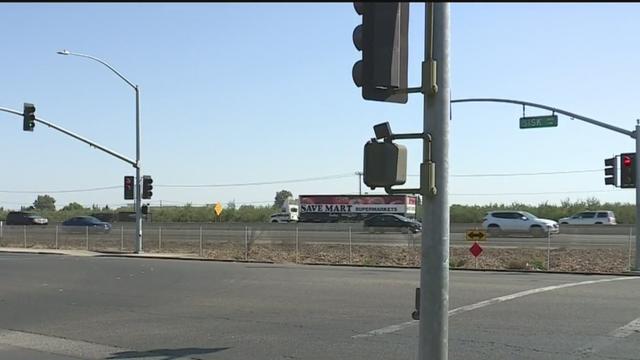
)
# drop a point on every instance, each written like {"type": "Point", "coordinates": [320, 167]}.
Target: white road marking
{"type": "Point", "coordinates": [481, 304]}
{"type": "Point", "coordinates": [616, 335]}
{"type": "Point", "coordinates": [631, 328]}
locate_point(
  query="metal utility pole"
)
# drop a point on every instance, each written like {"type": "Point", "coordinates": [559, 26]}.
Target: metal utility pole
{"type": "Point", "coordinates": [138, 194]}
{"type": "Point", "coordinates": [434, 269]}
{"type": "Point", "coordinates": [359, 173]}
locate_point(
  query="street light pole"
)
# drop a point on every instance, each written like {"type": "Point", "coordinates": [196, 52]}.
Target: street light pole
{"type": "Point", "coordinates": [137, 166]}
{"type": "Point", "coordinates": [359, 173]}
{"type": "Point", "coordinates": [138, 202]}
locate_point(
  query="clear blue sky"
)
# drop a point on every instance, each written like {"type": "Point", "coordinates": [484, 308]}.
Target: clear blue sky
{"type": "Point", "coordinates": [243, 93]}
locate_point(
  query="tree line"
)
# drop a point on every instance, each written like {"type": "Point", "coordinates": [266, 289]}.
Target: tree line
{"type": "Point", "coordinates": [45, 206]}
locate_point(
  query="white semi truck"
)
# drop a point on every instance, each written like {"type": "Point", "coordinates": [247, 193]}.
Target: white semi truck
{"type": "Point", "coordinates": [344, 208]}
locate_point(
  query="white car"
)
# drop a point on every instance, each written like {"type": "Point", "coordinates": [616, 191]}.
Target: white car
{"type": "Point", "coordinates": [518, 222]}
{"type": "Point", "coordinates": [604, 217]}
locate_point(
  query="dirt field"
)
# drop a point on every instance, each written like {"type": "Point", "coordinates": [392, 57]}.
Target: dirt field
{"type": "Point", "coordinates": [600, 260]}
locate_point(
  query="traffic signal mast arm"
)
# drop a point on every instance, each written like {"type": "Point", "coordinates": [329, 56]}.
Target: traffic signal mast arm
{"type": "Point", "coordinates": [632, 134]}
{"type": "Point", "coordinates": [76, 136]}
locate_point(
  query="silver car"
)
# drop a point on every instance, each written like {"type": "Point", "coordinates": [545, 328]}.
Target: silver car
{"type": "Point", "coordinates": [600, 217]}
{"type": "Point", "coordinates": [518, 222]}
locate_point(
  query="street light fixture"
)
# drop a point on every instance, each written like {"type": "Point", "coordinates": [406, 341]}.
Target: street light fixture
{"type": "Point", "coordinates": [138, 194]}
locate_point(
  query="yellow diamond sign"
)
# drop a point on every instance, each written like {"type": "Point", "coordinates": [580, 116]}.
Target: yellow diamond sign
{"type": "Point", "coordinates": [218, 209]}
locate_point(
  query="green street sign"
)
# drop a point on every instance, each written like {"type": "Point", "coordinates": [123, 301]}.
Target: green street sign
{"type": "Point", "coordinates": [538, 121]}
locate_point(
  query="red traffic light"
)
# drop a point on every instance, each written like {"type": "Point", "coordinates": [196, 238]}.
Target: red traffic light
{"type": "Point", "coordinates": [626, 161]}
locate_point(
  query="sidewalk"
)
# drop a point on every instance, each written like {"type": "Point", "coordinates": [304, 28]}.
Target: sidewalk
{"type": "Point", "coordinates": [94, 253]}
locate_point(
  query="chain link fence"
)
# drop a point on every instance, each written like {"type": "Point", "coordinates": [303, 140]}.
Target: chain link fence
{"type": "Point", "coordinates": [576, 249]}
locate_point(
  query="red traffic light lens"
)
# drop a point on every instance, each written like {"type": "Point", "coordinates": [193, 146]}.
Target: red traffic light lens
{"type": "Point", "coordinates": [626, 161]}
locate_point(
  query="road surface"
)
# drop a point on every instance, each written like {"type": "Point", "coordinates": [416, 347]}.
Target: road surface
{"type": "Point", "coordinates": [122, 308]}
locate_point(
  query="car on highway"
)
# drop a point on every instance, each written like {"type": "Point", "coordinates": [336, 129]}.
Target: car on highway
{"type": "Point", "coordinates": [392, 222]}
{"type": "Point", "coordinates": [81, 224]}
{"type": "Point", "coordinates": [25, 218]}
{"type": "Point", "coordinates": [518, 222]}
{"type": "Point", "coordinates": [599, 217]}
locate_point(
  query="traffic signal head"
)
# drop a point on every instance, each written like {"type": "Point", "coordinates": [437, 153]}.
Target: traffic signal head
{"type": "Point", "coordinates": [28, 117]}
{"type": "Point", "coordinates": [383, 39]}
{"type": "Point", "coordinates": [147, 187]}
{"type": "Point", "coordinates": [611, 171]}
{"type": "Point", "coordinates": [628, 170]}
{"type": "Point", "coordinates": [385, 164]}
{"type": "Point", "coordinates": [128, 187]}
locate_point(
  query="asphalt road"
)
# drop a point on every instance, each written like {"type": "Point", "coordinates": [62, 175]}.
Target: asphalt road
{"type": "Point", "coordinates": [66, 307]}
{"type": "Point", "coordinates": [189, 235]}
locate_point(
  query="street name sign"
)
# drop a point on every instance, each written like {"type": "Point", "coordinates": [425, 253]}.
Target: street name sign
{"type": "Point", "coordinates": [530, 122]}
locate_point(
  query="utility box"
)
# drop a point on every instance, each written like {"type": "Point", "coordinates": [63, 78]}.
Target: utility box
{"type": "Point", "coordinates": [385, 164]}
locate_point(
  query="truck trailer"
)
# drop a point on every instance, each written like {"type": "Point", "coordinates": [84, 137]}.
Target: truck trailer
{"type": "Point", "coordinates": [353, 208]}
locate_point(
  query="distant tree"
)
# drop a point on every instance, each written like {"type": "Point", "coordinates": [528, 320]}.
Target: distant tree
{"type": "Point", "coordinates": [74, 206]}
{"type": "Point", "coordinates": [231, 205]}
{"type": "Point", "coordinates": [45, 203]}
{"type": "Point", "coordinates": [281, 196]}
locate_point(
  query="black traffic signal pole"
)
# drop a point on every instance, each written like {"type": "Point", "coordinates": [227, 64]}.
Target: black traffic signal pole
{"type": "Point", "coordinates": [632, 134]}
{"type": "Point", "coordinates": [76, 136]}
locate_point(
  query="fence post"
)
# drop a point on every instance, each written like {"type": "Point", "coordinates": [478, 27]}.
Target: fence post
{"type": "Point", "coordinates": [548, 250]}
{"type": "Point", "coordinates": [297, 247]}
{"type": "Point", "coordinates": [57, 237]}
{"type": "Point", "coordinates": [25, 235]}
{"type": "Point", "coordinates": [630, 237]}
{"type": "Point", "coordinates": [201, 241]}
{"type": "Point", "coordinates": [246, 243]}
{"type": "Point", "coordinates": [121, 237]}
{"type": "Point", "coordinates": [160, 238]}
{"type": "Point", "coordinates": [350, 253]}
{"type": "Point", "coordinates": [87, 237]}
{"type": "Point", "coordinates": [1, 229]}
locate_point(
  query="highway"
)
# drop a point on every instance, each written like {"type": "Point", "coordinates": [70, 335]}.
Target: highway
{"type": "Point", "coordinates": [71, 307]}
{"type": "Point", "coordinates": [156, 234]}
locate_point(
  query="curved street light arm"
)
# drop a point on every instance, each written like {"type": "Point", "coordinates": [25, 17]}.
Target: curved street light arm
{"type": "Point", "coordinates": [632, 134]}
{"type": "Point", "coordinates": [65, 52]}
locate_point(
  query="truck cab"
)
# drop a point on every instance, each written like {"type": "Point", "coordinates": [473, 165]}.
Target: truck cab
{"type": "Point", "coordinates": [288, 213]}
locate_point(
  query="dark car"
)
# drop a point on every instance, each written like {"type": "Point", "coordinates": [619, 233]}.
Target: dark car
{"type": "Point", "coordinates": [25, 218]}
{"type": "Point", "coordinates": [391, 222]}
{"type": "Point", "coordinates": [81, 224]}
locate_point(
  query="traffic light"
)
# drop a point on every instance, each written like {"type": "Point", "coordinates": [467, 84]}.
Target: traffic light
{"type": "Point", "coordinates": [611, 171]}
{"type": "Point", "coordinates": [383, 39]}
{"type": "Point", "coordinates": [144, 209]}
{"type": "Point", "coordinates": [28, 117]}
{"type": "Point", "coordinates": [385, 164]}
{"type": "Point", "coordinates": [628, 170]}
{"type": "Point", "coordinates": [128, 187]}
{"type": "Point", "coordinates": [147, 187]}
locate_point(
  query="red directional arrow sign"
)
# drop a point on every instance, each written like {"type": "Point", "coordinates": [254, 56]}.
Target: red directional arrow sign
{"type": "Point", "coordinates": [475, 249]}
